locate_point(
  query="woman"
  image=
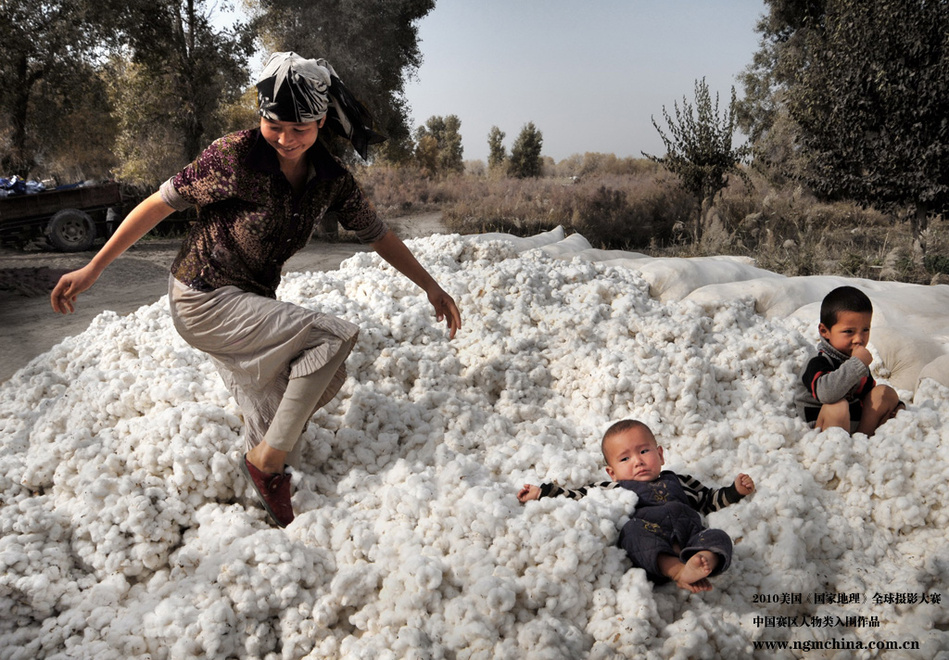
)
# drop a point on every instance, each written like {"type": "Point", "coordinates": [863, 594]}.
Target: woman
{"type": "Point", "coordinates": [259, 194]}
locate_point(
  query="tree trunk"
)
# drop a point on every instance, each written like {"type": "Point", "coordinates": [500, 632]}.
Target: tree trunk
{"type": "Point", "coordinates": [701, 223]}
{"type": "Point", "coordinates": [17, 162]}
{"type": "Point", "coordinates": [191, 124]}
{"type": "Point", "coordinates": [919, 221]}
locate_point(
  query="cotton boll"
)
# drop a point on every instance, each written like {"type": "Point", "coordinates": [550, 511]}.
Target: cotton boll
{"type": "Point", "coordinates": [703, 636]}
{"type": "Point", "coordinates": [36, 565]}
{"type": "Point", "coordinates": [405, 604]}
{"type": "Point", "coordinates": [898, 514]}
{"type": "Point", "coordinates": [298, 633]}
{"type": "Point", "coordinates": [932, 643]}
{"type": "Point", "coordinates": [540, 590]}
{"type": "Point", "coordinates": [514, 244]}
{"type": "Point", "coordinates": [790, 540]}
{"type": "Point", "coordinates": [466, 631]}
{"type": "Point", "coordinates": [562, 555]}
{"type": "Point", "coordinates": [351, 538]}
{"type": "Point", "coordinates": [548, 638]}
{"type": "Point", "coordinates": [39, 468]}
{"type": "Point", "coordinates": [362, 645]}
{"type": "Point", "coordinates": [415, 644]}
{"type": "Point", "coordinates": [264, 578]}
{"type": "Point", "coordinates": [493, 596]}
{"type": "Point", "coordinates": [928, 392]}
{"type": "Point", "coordinates": [830, 453]}
{"type": "Point", "coordinates": [629, 626]}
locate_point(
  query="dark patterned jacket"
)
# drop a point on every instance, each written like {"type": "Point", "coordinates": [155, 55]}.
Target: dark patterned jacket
{"type": "Point", "coordinates": [250, 222]}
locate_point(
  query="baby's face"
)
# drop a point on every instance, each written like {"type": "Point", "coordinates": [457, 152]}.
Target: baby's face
{"type": "Point", "coordinates": [633, 456]}
{"type": "Point", "coordinates": [852, 329]}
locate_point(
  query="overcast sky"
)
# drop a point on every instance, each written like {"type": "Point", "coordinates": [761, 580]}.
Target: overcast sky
{"type": "Point", "coordinates": [588, 74]}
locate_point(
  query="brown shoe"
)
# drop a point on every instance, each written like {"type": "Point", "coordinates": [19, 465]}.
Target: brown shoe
{"type": "Point", "coordinates": [273, 491]}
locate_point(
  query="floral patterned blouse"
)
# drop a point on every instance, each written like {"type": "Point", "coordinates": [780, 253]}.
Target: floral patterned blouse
{"type": "Point", "coordinates": [249, 220]}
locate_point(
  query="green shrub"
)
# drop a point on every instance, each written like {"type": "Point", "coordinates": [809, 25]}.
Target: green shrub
{"type": "Point", "coordinates": [854, 265]}
{"type": "Point", "coordinates": [936, 263]}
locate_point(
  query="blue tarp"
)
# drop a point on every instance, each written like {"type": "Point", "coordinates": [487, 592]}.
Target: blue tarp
{"type": "Point", "coordinates": [14, 185]}
{"type": "Point", "coordinates": [17, 186]}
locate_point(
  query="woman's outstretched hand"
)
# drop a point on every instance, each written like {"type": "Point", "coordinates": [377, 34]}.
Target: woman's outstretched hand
{"type": "Point", "coordinates": [391, 248]}
{"type": "Point", "coordinates": [139, 222]}
{"type": "Point", "coordinates": [445, 308]}
{"type": "Point", "coordinates": [71, 285]}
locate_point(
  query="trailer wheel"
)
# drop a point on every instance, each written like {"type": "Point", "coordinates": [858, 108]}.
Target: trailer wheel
{"type": "Point", "coordinates": [71, 230]}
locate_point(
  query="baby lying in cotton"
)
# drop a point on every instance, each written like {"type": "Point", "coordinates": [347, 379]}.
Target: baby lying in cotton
{"type": "Point", "coordinates": [665, 535]}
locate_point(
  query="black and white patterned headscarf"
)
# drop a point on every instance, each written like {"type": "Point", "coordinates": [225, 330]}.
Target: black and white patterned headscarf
{"type": "Point", "coordinates": [292, 88]}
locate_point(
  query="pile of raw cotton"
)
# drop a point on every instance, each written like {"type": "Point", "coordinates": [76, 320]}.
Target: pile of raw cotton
{"type": "Point", "coordinates": [128, 531]}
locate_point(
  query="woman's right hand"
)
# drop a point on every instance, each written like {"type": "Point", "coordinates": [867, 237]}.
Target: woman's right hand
{"type": "Point", "coordinates": [71, 285]}
{"type": "Point", "coordinates": [139, 222]}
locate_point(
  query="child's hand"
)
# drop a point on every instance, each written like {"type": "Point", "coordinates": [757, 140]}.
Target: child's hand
{"type": "Point", "coordinates": [528, 492]}
{"type": "Point", "coordinates": [862, 354]}
{"type": "Point", "coordinates": [744, 484]}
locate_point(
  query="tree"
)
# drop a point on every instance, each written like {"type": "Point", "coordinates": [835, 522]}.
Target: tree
{"type": "Point", "coordinates": [186, 69]}
{"type": "Point", "coordinates": [496, 152]}
{"type": "Point", "coordinates": [426, 154]}
{"type": "Point", "coordinates": [873, 107]}
{"type": "Point", "coordinates": [525, 154]}
{"type": "Point", "coordinates": [785, 30]}
{"type": "Point", "coordinates": [762, 114]}
{"type": "Point", "coordinates": [73, 129]}
{"type": "Point", "coordinates": [699, 148]}
{"type": "Point", "coordinates": [65, 60]}
{"type": "Point", "coordinates": [49, 47]}
{"type": "Point", "coordinates": [372, 44]}
{"type": "Point", "coordinates": [850, 98]}
{"type": "Point", "coordinates": [149, 146]}
{"type": "Point", "coordinates": [438, 145]}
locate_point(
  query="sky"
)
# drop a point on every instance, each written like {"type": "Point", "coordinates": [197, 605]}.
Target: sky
{"type": "Point", "coordinates": [588, 75]}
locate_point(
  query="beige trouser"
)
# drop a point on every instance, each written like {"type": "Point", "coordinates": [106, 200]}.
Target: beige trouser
{"type": "Point", "coordinates": [281, 362]}
{"type": "Point", "coordinates": [300, 400]}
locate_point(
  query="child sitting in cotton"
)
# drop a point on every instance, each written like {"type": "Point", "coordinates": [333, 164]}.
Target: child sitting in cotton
{"type": "Point", "coordinates": [666, 535]}
{"type": "Point", "coordinates": [837, 389]}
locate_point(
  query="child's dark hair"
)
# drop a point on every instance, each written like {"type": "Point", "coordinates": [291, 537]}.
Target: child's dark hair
{"type": "Point", "coordinates": [621, 427]}
{"type": "Point", "coordinates": [843, 299]}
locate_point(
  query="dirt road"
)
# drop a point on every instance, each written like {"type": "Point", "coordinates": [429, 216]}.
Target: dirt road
{"type": "Point", "coordinates": [29, 327]}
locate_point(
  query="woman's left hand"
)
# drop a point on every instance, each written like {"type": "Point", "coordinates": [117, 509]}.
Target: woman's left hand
{"type": "Point", "coordinates": [445, 308]}
{"type": "Point", "coordinates": [391, 248]}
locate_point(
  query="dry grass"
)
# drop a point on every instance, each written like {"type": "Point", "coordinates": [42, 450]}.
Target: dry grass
{"type": "Point", "coordinates": [397, 191]}
{"type": "Point", "coordinates": [784, 230]}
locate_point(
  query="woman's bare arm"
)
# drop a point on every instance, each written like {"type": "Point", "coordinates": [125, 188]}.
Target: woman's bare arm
{"type": "Point", "coordinates": [391, 248]}
{"type": "Point", "coordinates": [139, 222]}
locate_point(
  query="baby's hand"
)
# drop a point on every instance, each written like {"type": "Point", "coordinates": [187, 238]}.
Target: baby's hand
{"type": "Point", "coordinates": [528, 492]}
{"type": "Point", "coordinates": [744, 484]}
{"type": "Point", "coordinates": [862, 354]}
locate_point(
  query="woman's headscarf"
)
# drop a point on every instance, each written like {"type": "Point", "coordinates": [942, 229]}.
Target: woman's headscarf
{"type": "Point", "coordinates": [292, 88]}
